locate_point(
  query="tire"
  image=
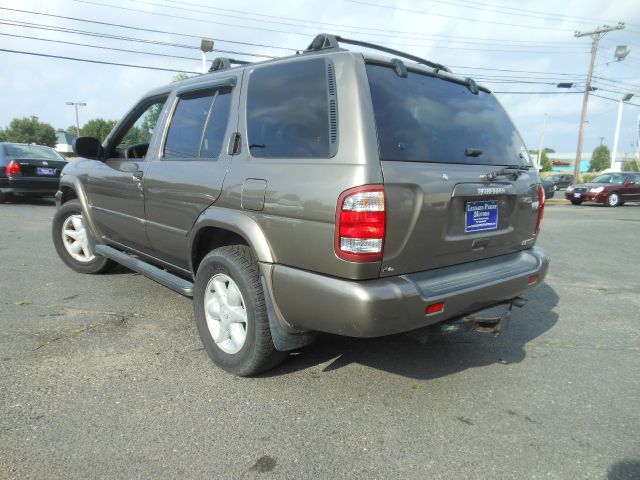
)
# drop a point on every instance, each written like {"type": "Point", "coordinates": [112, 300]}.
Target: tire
{"type": "Point", "coordinates": [5, 197]}
{"type": "Point", "coordinates": [72, 241]}
{"type": "Point", "coordinates": [228, 288]}
{"type": "Point", "coordinates": [576, 202]}
{"type": "Point", "coordinates": [613, 200]}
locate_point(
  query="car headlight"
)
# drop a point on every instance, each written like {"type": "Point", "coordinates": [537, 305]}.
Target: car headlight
{"type": "Point", "coordinates": [569, 189]}
{"type": "Point", "coordinates": [596, 189]}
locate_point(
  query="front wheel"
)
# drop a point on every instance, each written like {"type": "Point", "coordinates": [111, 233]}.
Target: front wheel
{"type": "Point", "coordinates": [230, 312]}
{"type": "Point", "coordinates": [73, 241]}
{"type": "Point", "coordinates": [576, 202]}
{"type": "Point", "coordinates": [614, 200]}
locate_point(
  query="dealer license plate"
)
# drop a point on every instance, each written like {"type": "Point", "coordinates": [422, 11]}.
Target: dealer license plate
{"type": "Point", "coordinates": [45, 171]}
{"type": "Point", "coordinates": [577, 195]}
{"type": "Point", "coordinates": [481, 216]}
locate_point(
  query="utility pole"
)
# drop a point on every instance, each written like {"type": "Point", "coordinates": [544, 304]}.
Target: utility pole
{"type": "Point", "coordinates": [596, 34]}
{"type": "Point", "coordinates": [544, 128]}
{"type": "Point", "coordinates": [601, 140]}
{"type": "Point", "coordinates": [77, 104]}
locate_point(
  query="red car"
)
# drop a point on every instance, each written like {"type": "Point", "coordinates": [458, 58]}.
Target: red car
{"type": "Point", "coordinates": [612, 189]}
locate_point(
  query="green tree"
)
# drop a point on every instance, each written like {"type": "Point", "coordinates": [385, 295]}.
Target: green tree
{"type": "Point", "coordinates": [98, 128]}
{"type": "Point", "coordinates": [179, 77]}
{"type": "Point", "coordinates": [3, 136]}
{"type": "Point", "coordinates": [600, 159]}
{"type": "Point", "coordinates": [30, 130]}
{"type": "Point", "coordinates": [631, 166]}
{"type": "Point", "coordinates": [72, 130]}
{"type": "Point", "coordinates": [545, 163]}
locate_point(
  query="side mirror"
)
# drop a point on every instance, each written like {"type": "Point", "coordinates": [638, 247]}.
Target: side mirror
{"type": "Point", "coordinates": [88, 147]}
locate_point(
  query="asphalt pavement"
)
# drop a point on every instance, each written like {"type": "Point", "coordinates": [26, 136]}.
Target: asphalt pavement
{"type": "Point", "coordinates": [105, 377]}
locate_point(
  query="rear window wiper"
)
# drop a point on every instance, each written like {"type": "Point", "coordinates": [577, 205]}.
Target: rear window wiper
{"type": "Point", "coordinates": [513, 170]}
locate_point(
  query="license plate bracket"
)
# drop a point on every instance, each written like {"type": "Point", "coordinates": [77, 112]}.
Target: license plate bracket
{"type": "Point", "coordinates": [481, 216]}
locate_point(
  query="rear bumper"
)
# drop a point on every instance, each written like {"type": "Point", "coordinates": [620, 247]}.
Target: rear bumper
{"type": "Point", "coordinates": [30, 185]}
{"type": "Point", "coordinates": [385, 306]}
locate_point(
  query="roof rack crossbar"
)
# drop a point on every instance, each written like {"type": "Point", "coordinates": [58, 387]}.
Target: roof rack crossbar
{"type": "Point", "coordinates": [325, 41]}
{"type": "Point", "coordinates": [224, 63]}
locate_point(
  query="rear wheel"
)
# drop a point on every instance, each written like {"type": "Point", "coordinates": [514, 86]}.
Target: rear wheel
{"type": "Point", "coordinates": [614, 200]}
{"type": "Point", "coordinates": [230, 312]}
{"type": "Point", "coordinates": [4, 197]}
{"type": "Point", "coordinates": [576, 202]}
{"type": "Point", "coordinates": [73, 241]}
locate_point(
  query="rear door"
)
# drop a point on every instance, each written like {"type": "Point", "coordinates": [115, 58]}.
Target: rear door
{"type": "Point", "coordinates": [444, 147]}
{"type": "Point", "coordinates": [189, 173]}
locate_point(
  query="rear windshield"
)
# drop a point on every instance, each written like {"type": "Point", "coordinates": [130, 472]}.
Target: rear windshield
{"type": "Point", "coordinates": [421, 118]}
{"type": "Point", "coordinates": [32, 152]}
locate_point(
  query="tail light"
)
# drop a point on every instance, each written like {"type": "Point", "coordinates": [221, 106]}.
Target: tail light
{"type": "Point", "coordinates": [12, 168]}
{"type": "Point", "coordinates": [541, 200]}
{"type": "Point", "coordinates": [360, 224]}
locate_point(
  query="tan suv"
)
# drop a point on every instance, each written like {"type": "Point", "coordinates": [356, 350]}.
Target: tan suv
{"type": "Point", "coordinates": [330, 191]}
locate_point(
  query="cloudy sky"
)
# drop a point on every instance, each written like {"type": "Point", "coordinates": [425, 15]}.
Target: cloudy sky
{"type": "Point", "coordinates": [525, 47]}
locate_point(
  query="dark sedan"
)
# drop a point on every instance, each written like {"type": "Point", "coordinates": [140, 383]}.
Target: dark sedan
{"type": "Point", "coordinates": [612, 189]}
{"type": "Point", "coordinates": [29, 169]}
{"type": "Point", "coordinates": [561, 180]}
{"type": "Point", "coordinates": [549, 188]}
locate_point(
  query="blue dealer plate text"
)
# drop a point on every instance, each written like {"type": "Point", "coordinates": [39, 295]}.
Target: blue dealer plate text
{"type": "Point", "coordinates": [481, 216]}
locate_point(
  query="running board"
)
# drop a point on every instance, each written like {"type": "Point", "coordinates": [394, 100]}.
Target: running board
{"type": "Point", "coordinates": [174, 282]}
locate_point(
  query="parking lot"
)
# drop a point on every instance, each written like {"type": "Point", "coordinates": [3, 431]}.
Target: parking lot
{"type": "Point", "coordinates": [105, 377]}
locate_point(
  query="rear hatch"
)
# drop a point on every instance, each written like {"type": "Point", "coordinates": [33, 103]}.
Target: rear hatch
{"type": "Point", "coordinates": [35, 160]}
{"type": "Point", "coordinates": [459, 183]}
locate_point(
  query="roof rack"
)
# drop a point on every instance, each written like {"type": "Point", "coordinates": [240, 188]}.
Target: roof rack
{"type": "Point", "coordinates": [224, 63]}
{"type": "Point", "coordinates": [325, 41]}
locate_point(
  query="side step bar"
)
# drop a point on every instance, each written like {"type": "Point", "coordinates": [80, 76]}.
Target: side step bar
{"type": "Point", "coordinates": [174, 282]}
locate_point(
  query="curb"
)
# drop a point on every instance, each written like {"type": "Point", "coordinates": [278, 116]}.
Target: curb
{"type": "Point", "coordinates": [559, 201]}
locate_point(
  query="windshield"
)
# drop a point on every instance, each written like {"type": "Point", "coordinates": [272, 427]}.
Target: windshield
{"type": "Point", "coordinates": [31, 151]}
{"type": "Point", "coordinates": [421, 118]}
{"type": "Point", "coordinates": [609, 178]}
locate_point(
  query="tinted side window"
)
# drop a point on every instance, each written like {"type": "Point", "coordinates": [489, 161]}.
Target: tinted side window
{"type": "Point", "coordinates": [288, 108]}
{"type": "Point", "coordinates": [185, 131]}
{"type": "Point", "coordinates": [216, 126]}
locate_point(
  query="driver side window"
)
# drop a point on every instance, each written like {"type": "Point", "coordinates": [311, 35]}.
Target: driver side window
{"type": "Point", "coordinates": [139, 134]}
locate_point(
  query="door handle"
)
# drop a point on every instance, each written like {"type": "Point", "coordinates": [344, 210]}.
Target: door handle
{"type": "Point", "coordinates": [137, 175]}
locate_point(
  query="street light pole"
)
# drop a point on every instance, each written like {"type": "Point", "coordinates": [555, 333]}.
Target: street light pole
{"type": "Point", "coordinates": [206, 45]}
{"type": "Point", "coordinates": [616, 136]}
{"type": "Point", "coordinates": [544, 127]}
{"type": "Point", "coordinates": [596, 34]}
{"type": "Point", "coordinates": [76, 105]}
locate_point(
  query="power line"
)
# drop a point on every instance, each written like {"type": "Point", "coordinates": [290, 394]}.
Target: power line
{"type": "Point", "coordinates": [523, 12]}
{"type": "Point", "coordinates": [111, 48]}
{"type": "Point", "coordinates": [614, 100]}
{"type": "Point", "coordinates": [408, 10]}
{"type": "Point", "coordinates": [250, 27]}
{"type": "Point", "coordinates": [376, 31]}
{"type": "Point", "coordinates": [21, 52]}
{"type": "Point", "coordinates": [199, 37]}
{"type": "Point", "coordinates": [39, 26]}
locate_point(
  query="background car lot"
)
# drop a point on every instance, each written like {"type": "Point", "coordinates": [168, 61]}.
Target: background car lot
{"type": "Point", "coordinates": [104, 376]}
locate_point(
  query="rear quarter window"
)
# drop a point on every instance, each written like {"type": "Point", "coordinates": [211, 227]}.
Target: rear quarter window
{"type": "Point", "coordinates": [423, 118]}
{"type": "Point", "coordinates": [290, 111]}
